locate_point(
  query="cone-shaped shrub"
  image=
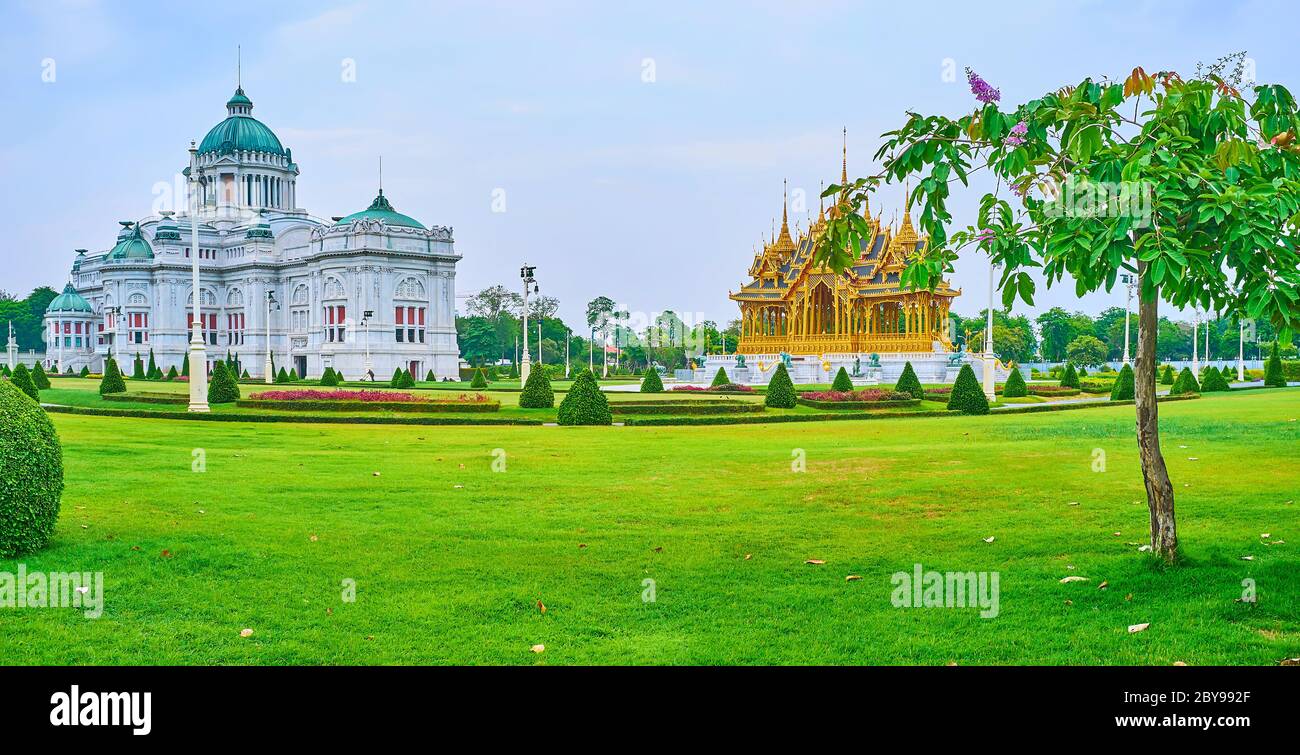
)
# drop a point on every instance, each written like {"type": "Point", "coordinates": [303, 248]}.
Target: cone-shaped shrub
{"type": "Point", "coordinates": [405, 380]}
{"type": "Point", "coordinates": [514, 370]}
{"type": "Point", "coordinates": [967, 396]}
{"type": "Point", "coordinates": [584, 404]}
{"type": "Point", "coordinates": [31, 474]}
{"type": "Point", "coordinates": [480, 380]}
{"type": "Point", "coordinates": [154, 373]}
{"type": "Point", "coordinates": [185, 365]}
{"type": "Point", "coordinates": [720, 378]}
{"type": "Point", "coordinates": [242, 377]}
{"type": "Point", "coordinates": [1273, 376]}
{"type": "Point", "coordinates": [537, 393]}
{"type": "Point", "coordinates": [1123, 390]}
{"type": "Point", "coordinates": [171, 373]}
{"type": "Point", "coordinates": [1184, 383]}
{"type": "Point", "coordinates": [842, 381]}
{"type": "Point", "coordinates": [908, 382]}
{"type": "Point", "coordinates": [396, 380]}
{"type": "Point", "coordinates": [1167, 377]}
{"type": "Point", "coordinates": [137, 368]}
{"type": "Point", "coordinates": [281, 376]}
{"type": "Point", "coordinates": [112, 381]}
{"type": "Point", "coordinates": [430, 377]}
{"type": "Point", "coordinates": [1071, 378]}
{"type": "Point", "coordinates": [85, 371]}
{"type": "Point", "coordinates": [223, 389]}
{"type": "Point", "coordinates": [330, 377]}
{"type": "Point", "coordinates": [22, 380]}
{"type": "Point", "coordinates": [1214, 381]}
{"type": "Point", "coordinates": [1015, 386]}
{"type": "Point", "coordinates": [293, 376]}
{"type": "Point", "coordinates": [780, 391]}
{"type": "Point", "coordinates": [39, 378]}
{"type": "Point", "coordinates": [652, 383]}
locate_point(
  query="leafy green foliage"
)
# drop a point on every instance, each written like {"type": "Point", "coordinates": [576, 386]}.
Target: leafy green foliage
{"type": "Point", "coordinates": [480, 380]}
{"type": "Point", "coordinates": [537, 392]}
{"type": "Point", "coordinates": [85, 371]}
{"type": "Point", "coordinates": [185, 365]}
{"type": "Point", "coordinates": [39, 378]}
{"type": "Point", "coordinates": [1185, 383]}
{"type": "Point", "coordinates": [137, 368]}
{"type": "Point", "coordinates": [1123, 390]}
{"type": "Point", "coordinates": [404, 379]}
{"type": "Point", "coordinates": [31, 474]}
{"type": "Point", "coordinates": [22, 380]}
{"type": "Point", "coordinates": [396, 380]}
{"type": "Point", "coordinates": [652, 383]}
{"type": "Point", "coordinates": [780, 391]}
{"type": "Point", "coordinates": [1273, 376]}
{"type": "Point", "coordinates": [430, 377]}
{"type": "Point", "coordinates": [112, 381]}
{"type": "Point", "coordinates": [330, 377]}
{"type": "Point", "coordinates": [967, 396]}
{"type": "Point", "coordinates": [152, 371]}
{"type": "Point", "coordinates": [842, 381]}
{"type": "Point", "coordinates": [1071, 378]}
{"type": "Point", "coordinates": [282, 376]}
{"type": "Point", "coordinates": [584, 404]}
{"type": "Point", "coordinates": [1015, 386]}
{"type": "Point", "coordinates": [1213, 381]}
{"type": "Point", "coordinates": [1087, 351]}
{"type": "Point", "coordinates": [223, 389]}
{"type": "Point", "coordinates": [720, 378]}
{"type": "Point", "coordinates": [908, 382]}
{"type": "Point", "coordinates": [1167, 377]}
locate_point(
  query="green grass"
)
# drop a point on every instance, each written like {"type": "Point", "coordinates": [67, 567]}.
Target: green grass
{"type": "Point", "coordinates": [450, 558]}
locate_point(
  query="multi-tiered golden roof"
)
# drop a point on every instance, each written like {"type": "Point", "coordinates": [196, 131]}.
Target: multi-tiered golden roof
{"type": "Point", "coordinates": [796, 307]}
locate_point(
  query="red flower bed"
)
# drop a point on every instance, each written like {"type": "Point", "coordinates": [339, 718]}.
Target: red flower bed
{"type": "Point", "coordinates": [868, 394]}
{"type": "Point", "coordinates": [310, 395]}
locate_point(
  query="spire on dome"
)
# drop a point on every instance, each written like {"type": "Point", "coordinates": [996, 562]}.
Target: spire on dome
{"type": "Point", "coordinates": [844, 158]}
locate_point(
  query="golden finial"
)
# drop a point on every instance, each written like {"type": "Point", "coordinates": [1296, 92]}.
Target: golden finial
{"type": "Point", "coordinates": [844, 162]}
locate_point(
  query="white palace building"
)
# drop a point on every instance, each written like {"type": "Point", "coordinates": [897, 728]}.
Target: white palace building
{"type": "Point", "coordinates": [374, 290]}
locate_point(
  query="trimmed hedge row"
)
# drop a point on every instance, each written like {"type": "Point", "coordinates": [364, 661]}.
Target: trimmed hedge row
{"type": "Point", "coordinates": [421, 407]}
{"type": "Point", "coordinates": [149, 398]}
{"type": "Point", "coordinates": [857, 404]}
{"type": "Point", "coordinates": [300, 418]}
{"type": "Point", "coordinates": [703, 407]}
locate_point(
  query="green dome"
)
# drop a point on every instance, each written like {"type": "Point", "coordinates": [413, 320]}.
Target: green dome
{"type": "Point", "coordinates": [69, 301]}
{"type": "Point", "coordinates": [381, 209]}
{"type": "Point", "coordinates": [131, 245]}
{"type": "Point", "coordinates": [240, 131]}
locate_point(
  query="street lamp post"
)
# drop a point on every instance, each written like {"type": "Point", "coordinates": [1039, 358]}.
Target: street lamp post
{"type": "Point", "coordinates": [568, 336]}
{"type": "Point", "coordinates": [526, 274]}
{"type": "Point", "coordinates": [198, 351]}
{"type": "Point", "coordinates": [268, 365]}
{"type": "Point", "coordinates": [1241, 350]}
{"type": "Point", "coordinates": [367, 365]}
{"type": "Point", "coordinates": [12, 348]}
{"type": "Point", "coordinates": [1196, 354]}
{"type": "Point", "coordinates": [989, 388]}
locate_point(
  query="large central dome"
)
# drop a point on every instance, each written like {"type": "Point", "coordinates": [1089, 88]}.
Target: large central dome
{"type": "Point", "coordinates": [240, 131]}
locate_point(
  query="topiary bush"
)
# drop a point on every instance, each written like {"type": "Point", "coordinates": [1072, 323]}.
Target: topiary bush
{"type": "Point", "coordinates": [430, 377]}
{"type": "Point", "coordinates": [31, 474]}
{"type": "Point", "coordinates": [137, 368]}
{"type": "Point", "coordinates": [330, 377]}
{"type": "Point", "coordinates": [223, 389]}
{"type": "Point", "coordinates": [1167, 377]}
{"type": "Point", "coordinates": [780, 391]}
{"type": "Point", "coordinates": [1184, 383]}
{"type": "Point", "coordinates": [842, 381]}
{"type": "Point", "coordinates": [1273, 375]}
{"type": "Point", "coordinates": [652, 383]}
{"type": "Point", "coordinates": [85, 371]}
{"type": "Point", "coordinates": [153, 372]}
{"type": "Point", "coordinates": [112, 381]}
{"type": "Point", "coordinates": [720, 378]}
{"type": "Point", "coordinates": [1123, 390]}
{"type": "Point", "coordinates": [1015, 387]}
{"type": "Point", "coordinates": [1214, 381]}
{"type": "Point", "coordinates": [39, 378]}
{"type": "Point", "coordinates": [171, 373]}
{"type": "Point", "coordinates": [22, 380]}
{"type": "Point", "coordinates": [480, 380]}
{"type": "Point", "coordinates": [1069, 378]}
{"type": "Point", "coordinates": [584, 404]}
{"type": "Point", "coordinates": [537, 393]}
{"type": "Point", "coordinates": [407, 380]}
{"type": "Point", "coordinates": [967, 396]}
{"type": "Point", "coordinates": [908, 382]}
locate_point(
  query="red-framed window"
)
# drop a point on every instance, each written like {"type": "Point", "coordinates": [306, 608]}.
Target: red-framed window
{"type": "Point", "coordinates": [209, 322]}
{"type": "Point", "coordinates": [137, 324]}
{"type": "Point", "coordinates": [235, 327]}
{"type": "Point", "coordinates": [408, 324]}
{"type": "Point", "coordinates": [336, 316]}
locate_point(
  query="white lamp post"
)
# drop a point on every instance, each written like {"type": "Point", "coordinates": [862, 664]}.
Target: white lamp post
{"type": "Point", "coordinates": [989, 387]}
{"type": "Point", "coordinates": [1196, 355]}
{"type": "Point", "coordinates": [268, 365]}
{"type": "Point", "coordinates": [1241, 350]}
{"type": "Point", "coordinates": [526, 274]}
{"type": "Point", "coordinates": [198, 350]}
{"type": "Point", "coordinates": [367, 365]}
{"type": "Point", "coordinates": [568, 335]}
{"type": "Point", "coordinates": [13, 348]}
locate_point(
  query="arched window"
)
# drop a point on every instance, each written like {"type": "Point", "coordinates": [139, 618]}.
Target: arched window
{"type": "Point", "coordinates": [410, 288]}
{"type": "Point", "coordinates": [301, 295]}
{"type": "Point", "coordinates": [334, 288]}
{"type": "Point", "coordinates": [137, 300]}
{"type": "Point", "coordinates": [235, 298]}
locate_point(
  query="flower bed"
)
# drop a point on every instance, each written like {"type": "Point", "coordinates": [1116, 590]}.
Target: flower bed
{"type": "Point", "coordinates": [346, 401]}
{"type": "Point", "coordinates": [724, 388]}
{"type": "Point", "coordinates": [870, 398]}
{"type": "Point", "coordinates": [684, 407]}
{"type": "Point", "coordinates": [147, 397]}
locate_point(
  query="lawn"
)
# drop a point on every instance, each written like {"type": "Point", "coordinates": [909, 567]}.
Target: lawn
{"type": "Point", "coordinates": [451, 558]}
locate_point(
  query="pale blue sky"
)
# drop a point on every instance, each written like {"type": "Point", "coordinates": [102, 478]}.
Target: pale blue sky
{"type": "Point", "coordinates": [653, 194]}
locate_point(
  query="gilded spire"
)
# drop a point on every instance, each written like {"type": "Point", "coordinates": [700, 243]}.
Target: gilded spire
{"type": "Point", "coordinates": [844, 158]}
{"type": "Point", "coordinates": [783, 244]}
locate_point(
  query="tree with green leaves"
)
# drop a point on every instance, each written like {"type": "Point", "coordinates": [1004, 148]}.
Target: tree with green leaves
{"type": "Point", "coordinates": [22, 380]}
{"type": "Point", "coordinates": [171, 373]}
{"type": "Point", "coordinates": [1087, 351]}
{"type": "Point", "coordinates": [1015, 386]}
{"type": "Point", "coordinates": [282, 376]}
{"type": "Point", "coordinates": [652, 383]}
{"type": "Point", "coordinates": [908, 382]}
{"type": "Point", "coordinates": [967, 395]}
{"type": "Point", "coordinates": [1123, 390]}
{"type": "Point", "coordinates": [112, 381]}
{"type": "Point", "coordinates": [185, 365]}
{"type": "Point", "coordinates": [1070, 378]}
{"type": "Point", "coordinates": [1167, 377]}
{"type": "Point", "coordinates": [329, 377]}
{"type": "Point", "coordinates": [479, 382]}
{"type": "Point", "coordinates": [720, 378]}
{"type": "Point", "coordinates": [85, 371]}
{"type": "Point", "coordinates": [1273, 375]}
{"type": "Point", "coordinates": [780, 389]}
{"type": "Point", "coordinates": [1189, 183]}
{"type": "Point", "coordinates": [430, 377]}
{"type": "Point", "coordinates": [842, 381]}
{"type": "Point", "coordinates": [39, 378]}
{"type": "Point", "coordinates": [406, 380]}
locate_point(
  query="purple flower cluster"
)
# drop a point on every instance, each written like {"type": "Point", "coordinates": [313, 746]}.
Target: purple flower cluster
{"type": "Point", "coordinates": [984, 235]}
{"type": "Point", "coordinates": [1017, 135]}
{"type": "Point", "coordinates": [981, 88]}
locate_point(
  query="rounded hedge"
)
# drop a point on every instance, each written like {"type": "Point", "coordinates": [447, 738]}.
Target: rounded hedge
{"type": "Point", "coordinates": [1123, 390]}
{"type": "Point", "coordinates": [780, 391]}
{"type": "Point", "coordinates": [967, 396]}
{"type": "Point", "coordinates": [842, 381]}
{"type": "Point", "coordinates": [223, 389]}
{"type": "Point", "coordinates": [908, 382]}
{"type": "Point", "coordinates": [652, 383]}
{"type": "Point", "coordinates": [22, 380]}
{"type": "Point", "coordinates": [39, 378]}
{"type": "Point", "coordinates": [31, 474]}
{"type": "Point", "coordinates": [112, 381]}
{"type": "Point", "coordinates": [1015, 386]}
{"type": "Point", "coordinates": [537, 393]}
{"type": "Point", "coordinates": [720, 378]}
{"type": "Point", "coordinates": [584, 404]}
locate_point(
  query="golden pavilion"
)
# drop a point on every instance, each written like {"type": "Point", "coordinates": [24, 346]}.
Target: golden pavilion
{"type": "Point", "coordinates": [796, 307]}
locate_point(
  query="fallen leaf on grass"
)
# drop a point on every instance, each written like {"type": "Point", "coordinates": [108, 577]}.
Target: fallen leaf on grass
{"type": "Point", "coordinates": [1116, 534]}
{"type": "Point", "coordinates": [582, 546]}
{"type": "Point", "coordinates": [374, 474]}
{"type": "Point", "coordinates": [541, 606]}
{"type": "Point", "coordinates": [988, 539]}
{"type": "Point", "coordinates": [1179, 663]}
{"type": "Point", "coordinates": [313, 538]}
{"type": "Point", "coordinates": [815, 561]}
{"type": "Point", "coordinates": [166, 553]}
{"type": "Point", "coordinates": [852, 578]}
{"type": "Point", "coordinates": [1289, 661]}
{"type": "Point", "coordinates": [1104, 584]}
{"type": "Point", "coordinates": [1135, 628]}
{"type": "Point", "coordinates": [537, 648]}
{"type": "Point", "coordinates": [1247, 558]}
{"type": "Point", "coordinates": [748, 556]}
{"type": "Point", "coordinates": [1144, 549]}
{"type": "Point", "coordinates": [1072, 503]}
{"type": "Point", "coordinates": [245, 633]}
{"type": "Point", "coordinates": [1073, 578]}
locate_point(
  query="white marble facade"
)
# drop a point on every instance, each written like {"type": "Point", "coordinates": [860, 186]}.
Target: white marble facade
{"type": "Point", "coordinates": [324, 276]}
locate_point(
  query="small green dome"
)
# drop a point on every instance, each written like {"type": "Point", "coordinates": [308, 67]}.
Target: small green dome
{"type": "Point", "coordinates": [69, 301]}
{"type": "Point", "coordinates": [381, 209]}
{"type": "Point", "coordinates": [131, 245]}
{"type": "Point", "coordinates": [241, 131]}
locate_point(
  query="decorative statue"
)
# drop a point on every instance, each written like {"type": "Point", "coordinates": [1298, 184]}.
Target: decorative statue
{"type": "Point", "coordinates": [875, 360]}
{"type": "Point", "coordinates": [785, 359]}
{"type": "Point", "coordinates": [740, 361]}
{"type": "Point", "coordinates": [857, 366]}
{"type": "Point", "coordinates": [659, 368]}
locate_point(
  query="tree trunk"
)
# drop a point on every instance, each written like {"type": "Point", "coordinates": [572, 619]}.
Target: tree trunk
{"type": "Point", "coordinates": [1160, 491]}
